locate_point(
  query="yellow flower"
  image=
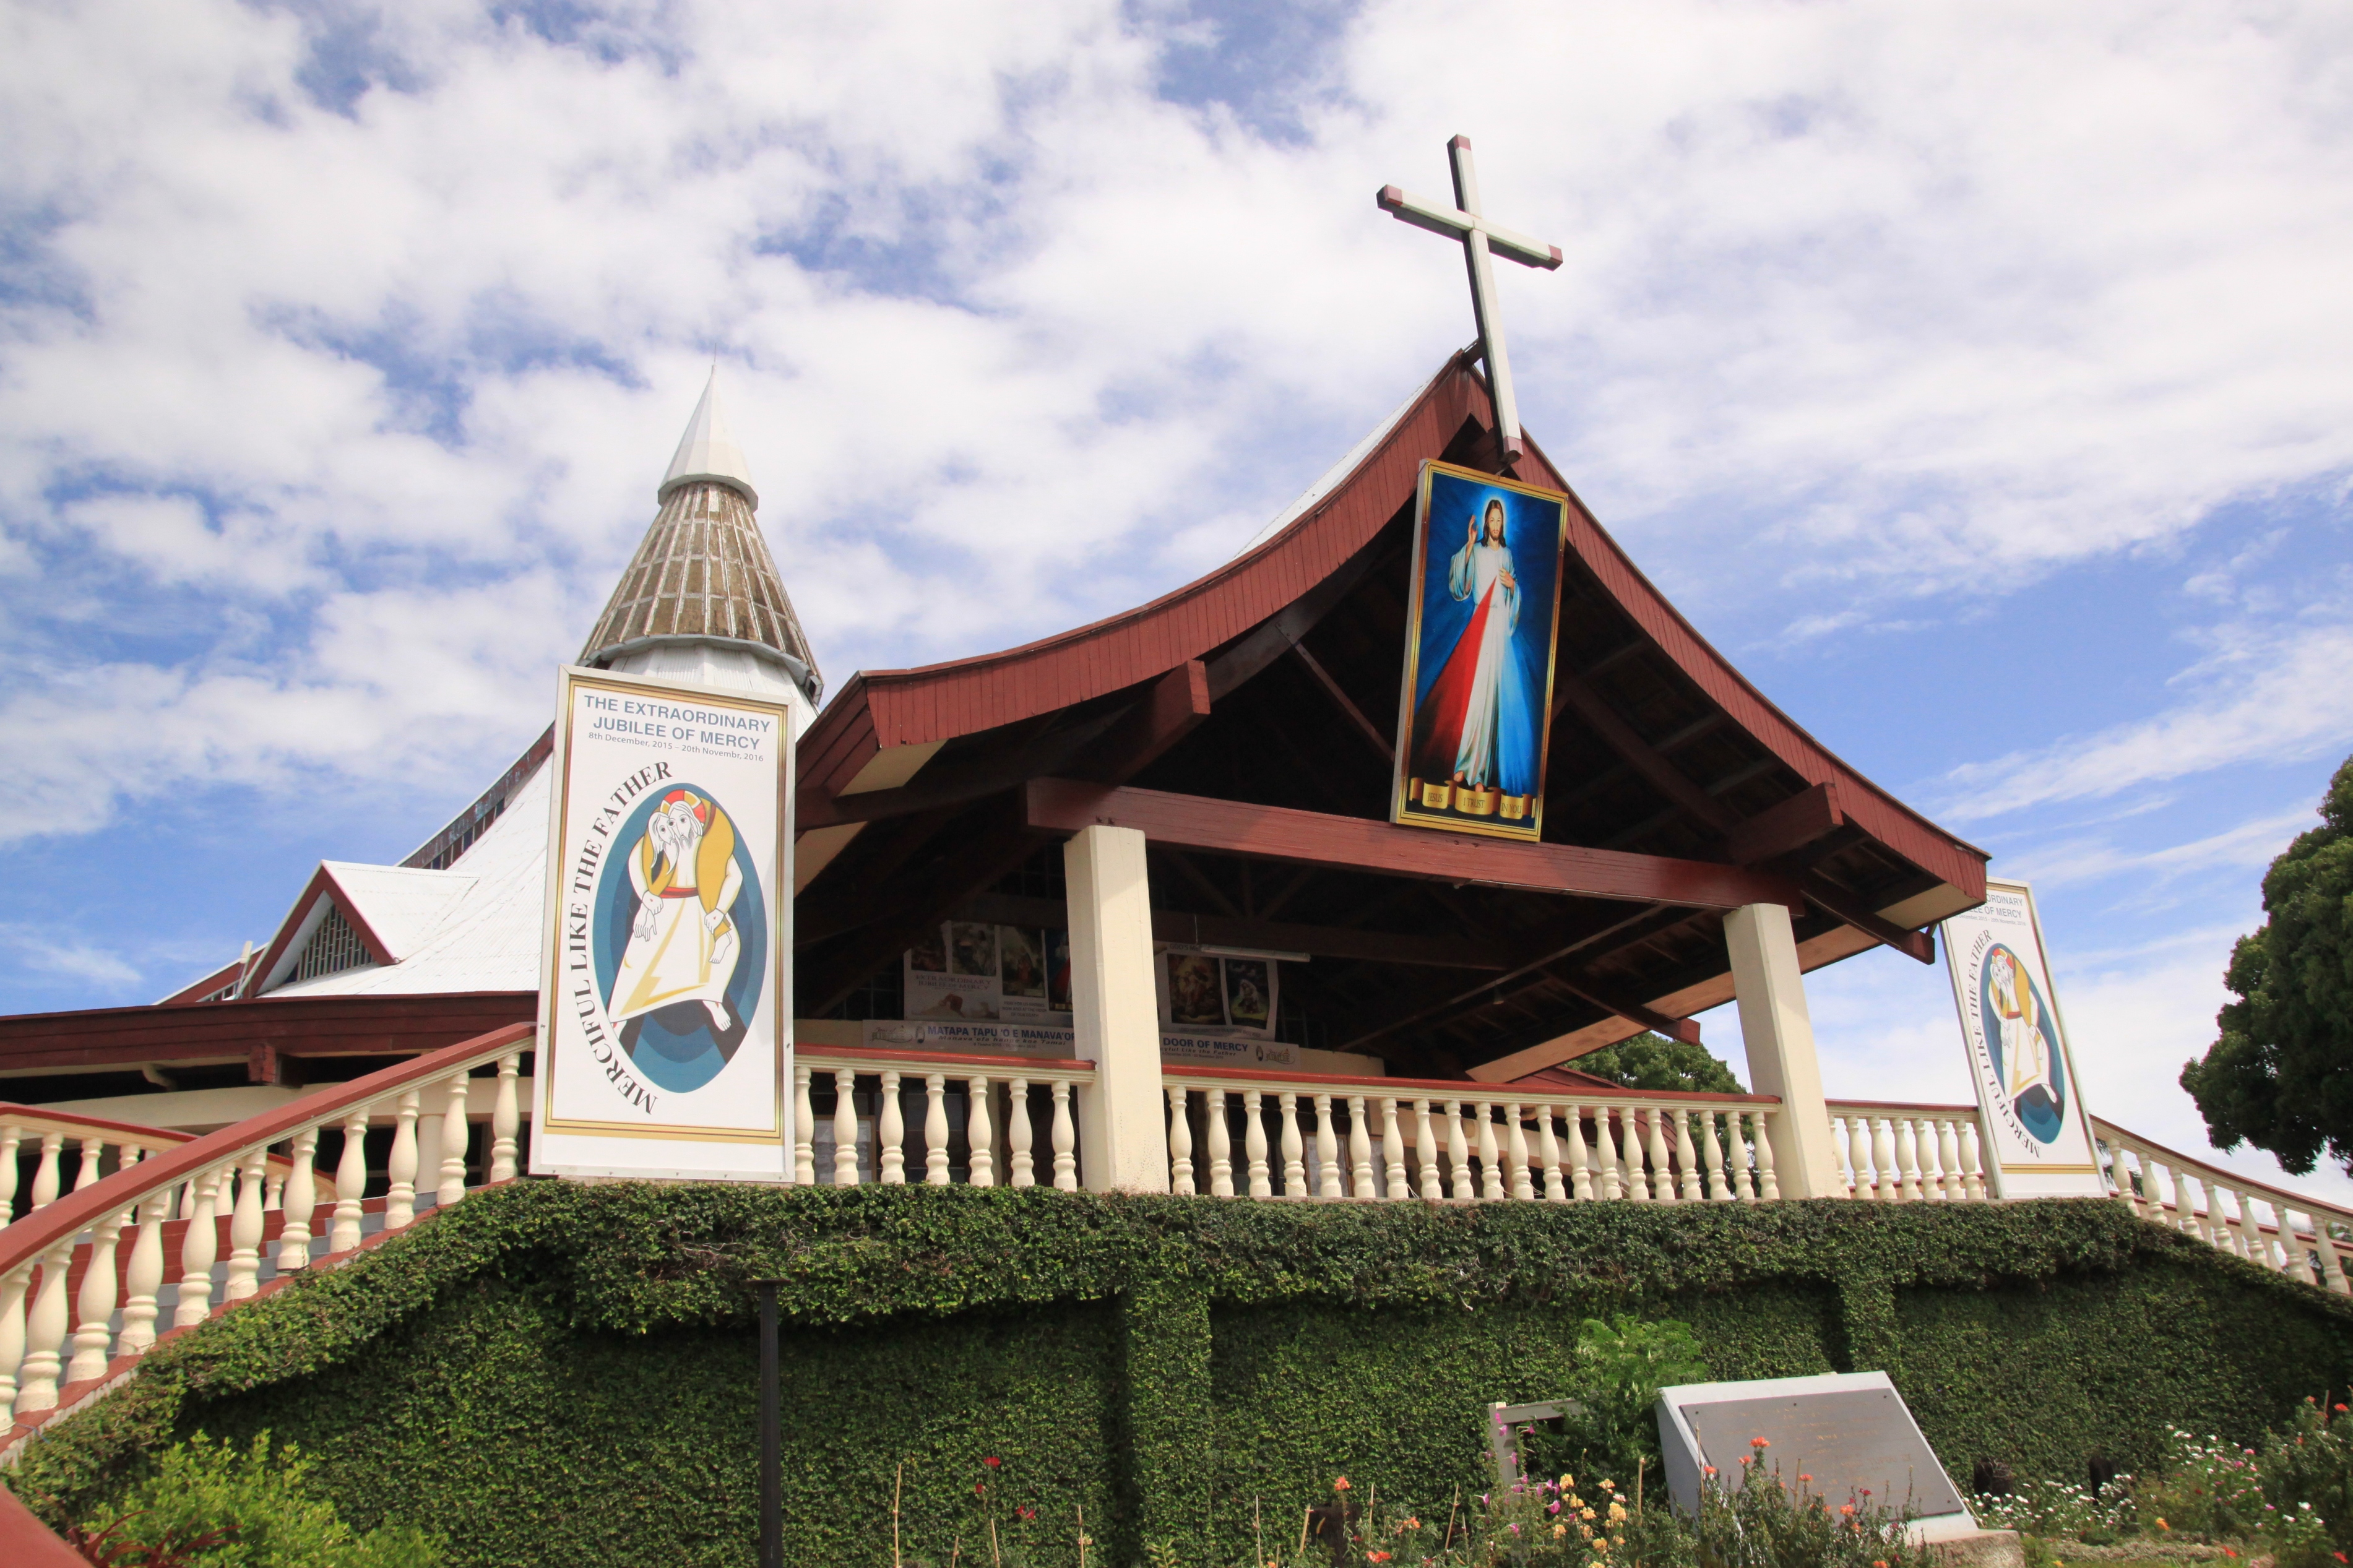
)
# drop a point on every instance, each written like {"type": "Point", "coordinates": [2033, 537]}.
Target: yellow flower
{"type": "Point", "coordinates": [1559, 1529]}
{"type": "Point", "coordinates": [1617, 1513]}
{"type": "Point", "coordinates": [1567, 1482]}
{"type": "Point", "coordinates": [2162, 1525]}
{"type": "Point", "coordinates": [1581, 1513]}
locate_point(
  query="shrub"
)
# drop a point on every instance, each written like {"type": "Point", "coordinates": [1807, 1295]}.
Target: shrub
{"type": "Point", "coordinates": [2061, 1509]}
{"type": "Point", "coordinates": [2206, 1487]}
{"type": "Point", "coordinates": [210, 1505]}
{"type": "Point", "coordinates": [2309, 1468]}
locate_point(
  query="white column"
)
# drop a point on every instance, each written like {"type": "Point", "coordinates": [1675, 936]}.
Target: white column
{"type": "Point", "coordinates": [506, 1118]}
{"type": "Point", "coordinates": [1019, 1133]}
{"type": "Point", "coordinates": [935, 1130]}
{"type": "Point", "coordinates": [1115, 1010]}
{"type": "Point", "coordinates": [351, 1184]}
{"type": "Point", "coordinates": [1262, 1186]}
{"type": "Point", "coordinates": [301, 1202]}
{"type": "Point", "coordinates": [979, 1139]}
{"type": "Point", "coordinates": [1779, 1036]}
{"type": "Point", "coordinates": [1221, 1144]}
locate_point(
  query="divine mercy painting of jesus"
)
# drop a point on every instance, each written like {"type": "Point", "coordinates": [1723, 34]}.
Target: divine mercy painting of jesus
{"type": "Point", "coordinates": [1477, 701]}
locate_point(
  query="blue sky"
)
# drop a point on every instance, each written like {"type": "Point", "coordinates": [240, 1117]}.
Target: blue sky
{"type": "Point", "coordinates": [1972, 374]}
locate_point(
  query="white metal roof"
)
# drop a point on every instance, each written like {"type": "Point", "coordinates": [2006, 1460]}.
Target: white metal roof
{"type": "Point", "coordinates": [474, 927]}
{"type": "Point", "coordinates": [708, 450]}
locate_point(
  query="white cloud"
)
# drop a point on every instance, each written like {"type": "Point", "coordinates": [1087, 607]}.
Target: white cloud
{"type": "Point", "coordinates": [1888, 303]}
{"type": "Point", "coordinates": [46, 953]}
{"type": "Point", "coordinates": [2250, 845]}
{"type": "Point", "coordinates": [2266, 694]}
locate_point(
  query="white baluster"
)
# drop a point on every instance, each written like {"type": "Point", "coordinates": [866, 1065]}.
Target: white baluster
{"type": "Point", "coordinates": [1327, 1151]}
{"type": "Point", "coordinates": [1837, 1148]}
{"type": "Point", "coordinates": [1180, 1142]}
{"type": "Point", "coordinates": [1425, 1152]}
{"type": "Point", "coordinates": [45, 1174]}
{"type": "Point", "coordinates": [45, 1335]}
{"type": "Point", "coordinates": [1973, 1186]}
{"type": "Point", "coordinates": [1294, 1167]}
{"type": "Point", "coordinates": [95, 1318]}
{"type": "Point", "coordinates": [454, 1135]}
{"type": "Point", "coordinates": [1548, 1153]}
{"type": "Point", "coordinates": [1360, 1150]}
{"type": "Point", "coordinates": [804, 1126]}
{"type": "Point", "coordinates": [428, 1144]}
{"type": "Point", "coordinates": [978, 1134]}
{"type": "Point", "coordinates": [400, 1165]}
{"type": "Point", "coordinates": [1393, 1151]}
{"type": "Point", "coordinates": [1605, 1154]}
{"type": "Point", "coordinates": [1663, 1174]}
{"type": "Point", "coordinates": [302, 1203]}
{"type": "Point", "coordinates": [2184, 1217]}
{"type": "Point", "coordinates": [1949, 1156]}
{"type": "Point", "coordinates": [199, 1246]}
{"type": "Point", "coordinates": [2290, 1244]}
{"type": "Point", "coordinates": [1261, 1184]}
{"type": "Point", "coordinates": [245, 1227]}
{"type": "Point", "coordinates": [935, 1130]}
{"type": "Point", "coordinates": [1858, 1139]}
{"type": "Point", "coordinates": [1580, 1177]}
{"type": "Point", "coordinates": [889, 1135]}
{"type": "Point", "coordinates": [1516, 1155]}
{"type": "Point", "coordinates": [1767, 1188]}
{"type": "Point", "coordinates": [2332, 1266]}
{"type": "Point", "coordinates": [1018, 1132]}
{"type": "Point", "coordinates": [506, 1118]}
{"type": "Point", "coordinates": [11, 1135]}
{"type": "Point", "coordinates": [1490, 1160]}
{"type": "Point", "coordinates": [845, 1127]}
{"type": "Point", "coordinates": [1883, 1159]}
{"type": "Point", "coordinates": [1686, 1156]}
{"type": "Point", "coordinates": [1741, 1168]}
{"type": "Point", "coordinates": [1221, 1143]}
{"type": "Point", "coordinates": [12, 1286]}
{"type": "Point", "coordinates": [1458, 1152]}
{"type": "Point", "coordinates": [93, 1151]}
{"type": "Point", "coordinates": [351, 1184]}
{"type": "Point", "coordinates": [1065, 1168]}
{"type": "Point", "coordinates": [145, 1280]}
{"type": "Point", "coordinates": [1908, 1161]}
{"type": "Point", "coordinates": [1712, 1154]}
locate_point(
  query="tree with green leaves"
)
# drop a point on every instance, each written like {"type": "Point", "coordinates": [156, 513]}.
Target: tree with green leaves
{"type": "Point", "coordinates": [2280, 1076]}
{"type": "Point", "coordinates": [1660, 1065]}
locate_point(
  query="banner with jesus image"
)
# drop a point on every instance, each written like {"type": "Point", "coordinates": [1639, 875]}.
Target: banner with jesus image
{"type": "Point", "coordinates": [665, 1033]}
{"type": "Point", "coordinates": [1483, 606]}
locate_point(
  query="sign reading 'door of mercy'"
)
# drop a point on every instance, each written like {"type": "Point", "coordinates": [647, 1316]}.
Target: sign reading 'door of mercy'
{"type": "Point", "coordinates": [1477, 704]}
{"type": "Point", "coordinates": [665, 1036]}
{"type": "Point", "coordinates": [2037, 1135]}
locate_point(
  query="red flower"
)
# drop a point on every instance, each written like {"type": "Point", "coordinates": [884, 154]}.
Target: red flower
{"type": "Point", "coordinates": [979, 1489]}
{"type": "Point", "coordinates": [1758, 1443]}
{"type": "Point", "coordinates": [1025, 1512]}
{"type": "Point", "coordinates": [992, 1461]}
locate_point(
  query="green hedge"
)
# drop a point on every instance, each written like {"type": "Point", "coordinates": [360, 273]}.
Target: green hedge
{"type": "Point", "coordinates": [554, 1372]}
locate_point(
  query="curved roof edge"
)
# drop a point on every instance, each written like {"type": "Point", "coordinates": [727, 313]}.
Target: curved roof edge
{"type": "Point", "coordinates": [877, 710]}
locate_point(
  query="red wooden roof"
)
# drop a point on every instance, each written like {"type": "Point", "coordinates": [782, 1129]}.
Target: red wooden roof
{"type": "Point", "coordinates": [878, 710]}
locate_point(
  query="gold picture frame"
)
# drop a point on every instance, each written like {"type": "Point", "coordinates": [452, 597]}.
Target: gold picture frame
{"type": "Point", "coordinates": [1483, 618]}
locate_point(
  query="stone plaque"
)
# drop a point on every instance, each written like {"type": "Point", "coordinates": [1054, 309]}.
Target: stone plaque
{"type": "Point", "coordinates": [1849, 1432]}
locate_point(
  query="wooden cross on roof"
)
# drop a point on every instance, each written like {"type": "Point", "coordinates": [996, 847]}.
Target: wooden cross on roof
{"type": "Point", "coordinates": [1480, 239]}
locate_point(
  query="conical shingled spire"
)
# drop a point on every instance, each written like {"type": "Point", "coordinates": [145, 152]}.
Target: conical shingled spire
{"type": "Point", "coordinates": [708, 450]}
{"type": "Point", "coordinates": [703, 581]}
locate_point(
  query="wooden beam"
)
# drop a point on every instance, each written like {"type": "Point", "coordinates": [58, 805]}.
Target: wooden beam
{"type": "Point", "coordinates": [1448, 952]}
{"type": "Point", "coordinates": [958, 781]}
{"type": "Point", "coordinates": [1571, 691]}
{"type": "Point", "coordinates": [1790, 826]}
{"type": "Point", "coordinates": [1172, 708]}
{"type": "Point", "coordinates": [1841, 904]}
{"type": "Point", "coordinates": [1633, 1012]}
{"type": "Point", "coordinates": [1273, 638]}
{"type": "Point", "coordinates": [1314, 839]}
{"type": "Point", "coordinates": [1356, 715]}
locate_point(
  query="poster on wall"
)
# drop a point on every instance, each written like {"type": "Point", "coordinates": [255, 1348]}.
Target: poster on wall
{"type": "Point", "coordinates": [665, 1025]}
{"type": "Point", "coordinates": [964, 972]}
{"type": "Point", "coordinates": [1227, 993]}
{"type": "Point", "coordinates": [2037, 1135]}
{"type": "Point", "coordinates": [1483, 605]}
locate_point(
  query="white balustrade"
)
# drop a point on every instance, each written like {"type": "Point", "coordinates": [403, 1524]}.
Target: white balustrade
{"type": "Point", "coordinates": [49, 1344]}
{"type": "Point", "coordinates": [893, 1074]}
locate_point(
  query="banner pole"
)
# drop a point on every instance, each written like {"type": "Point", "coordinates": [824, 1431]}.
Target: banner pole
{"type": "Point", "coordinates": [771, 1511]}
